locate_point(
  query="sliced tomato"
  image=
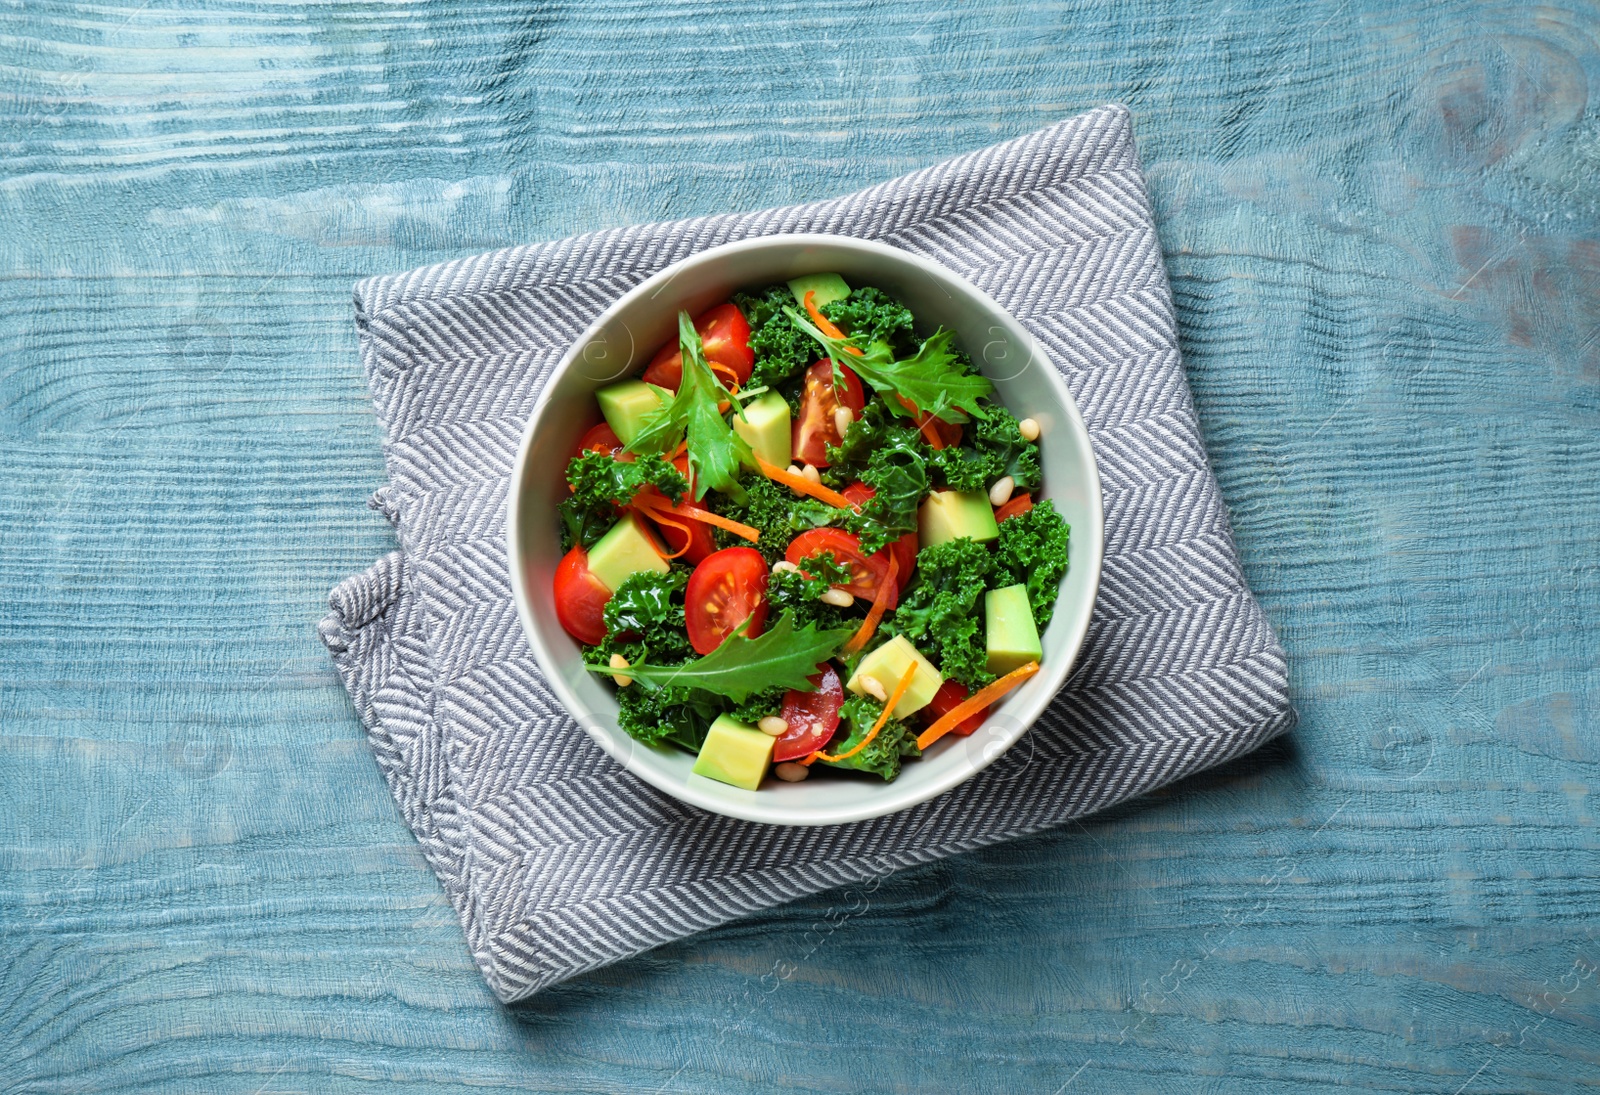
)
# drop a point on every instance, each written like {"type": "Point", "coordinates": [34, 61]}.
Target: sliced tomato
{"type": "Point", "coordinates": [904, 549]}
{"type": "Point", "coordinates": [580, 598]}
{"type": "Point", "coordinates": [1019, 503]}
{"type": "Point", "coordinates": [945, 700]}
{"type": "Point", "coordinates": [725, 334]}
{"type": "Point", "coordinates": [816, 429]}
{"type": "Point", "coordinates": [602, 438]}
{"type": "Point", "coordinates": [700, 543]}
{"type": "Point", "coordinates": [726, 589]}
{"type": "Point", "coordinates": [812, 717]}
{"type": "Point", "coordinates": [867, 572]}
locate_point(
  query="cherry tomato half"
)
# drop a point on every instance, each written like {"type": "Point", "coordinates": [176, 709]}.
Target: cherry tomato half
{"type": "Point", "coordinates": [726, 589]}
{"type": "Point", "coordinates": [580, 598]}
{"type": "Point", "coordinates": [867, 572]}
{"type": "Point", "coordinates": [700, 541]}
{"type": "Point", "coordinates": [812, 717]}
{"type": "Point", "coordinates": [945, 700]}
{"type": "Point", "coordinates": [602, 438]}
{"type": "Point", "coordinates": [815, 429]}
{"type": "Point", "coordinates": [904, 549]}
{"type": "Point", "coordinates": [725, 334]}
{"type": "Point", "coordinates": [1020, 503]}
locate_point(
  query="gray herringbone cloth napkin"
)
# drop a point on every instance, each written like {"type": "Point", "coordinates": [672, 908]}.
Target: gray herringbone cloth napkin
{"type": "Point", "coordinates": [556, 859]}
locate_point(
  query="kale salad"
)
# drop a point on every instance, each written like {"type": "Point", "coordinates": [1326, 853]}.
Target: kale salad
{"type": "Point", "coordinates": [807, 537]}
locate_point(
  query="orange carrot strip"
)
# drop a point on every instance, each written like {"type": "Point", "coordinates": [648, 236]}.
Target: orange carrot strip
{"type": "Point", "coordinates": [688, 537]}
{"type": "Point", "coordinates": [748, 532]}
{"type": "Point", "coordinates": [883, 716]}
{"type": "Point", "coordinates": [803, 485]}
{"type": "Point", "coordinates": [925, 423]}
{"type": "Point", "coordinates": [824, 324]}
{"type": "Point", "coordinates": [984, 697]}
{"type": "Point", "coordinates": [880, 605]}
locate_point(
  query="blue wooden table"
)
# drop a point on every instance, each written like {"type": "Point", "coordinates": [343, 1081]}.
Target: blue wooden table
{"type": "Point", "coordinates": [1382, 224]}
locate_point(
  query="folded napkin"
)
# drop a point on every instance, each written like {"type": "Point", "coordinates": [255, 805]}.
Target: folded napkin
{"type": "Point", "coordinates": [555, 858]}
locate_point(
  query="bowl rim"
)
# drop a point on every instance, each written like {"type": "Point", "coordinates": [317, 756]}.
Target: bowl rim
{"type": "Point", "coordinates": [1053, 678]}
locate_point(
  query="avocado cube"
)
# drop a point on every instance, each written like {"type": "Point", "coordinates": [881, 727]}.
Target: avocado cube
{"type": "Point", "coordinates": [824, 289]}
{"type": "Point", "coordinates": [735, 753]}
{"type": "Point", "coordinates": [626, 406]}
{"type": "Point", "coordinates": [765, 425]}
{"type": "Point", "coordinates": [624, 551]}
{"type": "Point", "coordinates": [888, 664]}
{"type": "Point", "coordinates": [1012, 637]}
{"type": "Point", "coordinates": [946, 515]}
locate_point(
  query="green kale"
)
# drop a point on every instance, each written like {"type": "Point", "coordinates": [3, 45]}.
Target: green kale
{"type": "Point", "coordinates": [601, 485]}
{"type": "Point", "coordinates": [871, 315]}
{"type": "Point", "coordinates": [782, 350]}
{"type": "Point", "coordinates": [990, 448]}
{"type": "Point", "coordinates": [941, 613]}
{"type": "Point", "coordinates": [646, 612]}
{"type": "Point", "coordinates": [759, 705]}
{"type": "Point", "coordinates": [680, 716]}
{"type": "Point", "coordinates": [883, 754]}
{"type": "Point", "coordinates": [777, 514]}
{"type": "Point", "coordinates": [791, 591]}
{"type": "Point", "coordinates": [899, 478]}
{"type": "Point", "coordinates": [1033, 550]}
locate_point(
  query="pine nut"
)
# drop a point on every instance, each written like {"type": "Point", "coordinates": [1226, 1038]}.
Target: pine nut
{"type": "Point", "coordinates": [791, 771]}
{"type": "Point", "coordinates": [783, 565]}
{"type": "Point", "coordinates": [1000, 493]}
{"type": "Point", "coordinates": [794, 469]}
{"type": "Point", "coordinates": [1029, 428]}
{"type": "Point", "coordinates": [773, 725]}
{"type": "Point", "coordinates": [622, 679]}
{"type": "Point", "coordinates": [811, 473]}
{"type": "Point", "coordinates": [842, 419]}
{"type": "Point", "coordinates": [874, 688]}
{"type": "Point", "coordinates": [839, 598]}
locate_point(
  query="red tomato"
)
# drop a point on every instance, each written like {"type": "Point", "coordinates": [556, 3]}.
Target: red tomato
{"type": "Point", "coordinates": [812, 717]}
{"type": "Point", "coordinates": [904, 549]}
{"type": "Point", "coordinates": [815, 428]}
{"type": "Point", "coordinates": [602, 438]}
{"type": "Point", "coordinates": [944, 701]}
{"type": "Point", "coordinates": [1020, 503]}
{"type": "Point", "coordinates": [867, 572]}
{"type": "Point", "coordinates": [580, 598]}
{"type": "Point", "coordinates": [725, 334]}
{"type": "Point", "coordinates": [726, 589]}
{"type": "Point", "coordinates": [701, 543]}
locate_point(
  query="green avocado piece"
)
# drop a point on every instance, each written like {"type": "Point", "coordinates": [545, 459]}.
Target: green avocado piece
{"type": "Point", "coordinates": [1013, 640]}
{"type": "Point", "coordinates": [825, 289]}
{"type": "Point", "coordinates": [625, 550]}
{"type": "Point", "coordinates": [626, 405]}
{"type": "Point", "coordinates": [766, 426]}
{"type": "Point", "coordinates": [735, 753]}
{"type": "Point", "coordinates": [887, 664]}
{"type": "Point", "coordinates": [946, 515]}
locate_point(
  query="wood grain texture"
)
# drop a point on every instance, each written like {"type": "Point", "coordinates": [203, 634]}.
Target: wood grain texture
{"type": "Point", "coordinates": [1383, 231]}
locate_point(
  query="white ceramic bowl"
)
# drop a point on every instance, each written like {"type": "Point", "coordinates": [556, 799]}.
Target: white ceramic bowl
{"type": "Point", "coordinates": [626, 335]}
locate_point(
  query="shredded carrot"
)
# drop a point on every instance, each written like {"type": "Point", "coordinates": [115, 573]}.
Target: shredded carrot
{"type": "Point", "coordinates": [803, 485]}
{"type": "Point", "coordinates": [688, 537]}
{"type": "Point", "coordinates": [883, 716]}
{"type": "Point", "coordinates": [654, 506]}
{"type": "Point", "coordinates": [824, 324]}
{"type": "Point", "coordinates": [683, 447]}
{"type": "Point", "coordinates": [880, 605]}
{"type": "Point", "coordinates": [925, 423]}
{"type": "Point", "coordinates": [984, 697]}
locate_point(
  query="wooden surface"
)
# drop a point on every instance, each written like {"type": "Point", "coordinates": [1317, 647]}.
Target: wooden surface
{"type": "Point", "coordinates": [1382, 224]}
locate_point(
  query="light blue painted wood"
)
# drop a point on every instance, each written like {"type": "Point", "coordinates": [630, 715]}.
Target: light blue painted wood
{"type": "Point", "coordinates": [1381, 226]}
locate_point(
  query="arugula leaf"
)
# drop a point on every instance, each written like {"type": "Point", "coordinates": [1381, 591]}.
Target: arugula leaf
{"type": "Point", "coordinates": [781, 657]}
{"type": "Point", "coordinates": [694, 415]}
{"type": "Point", "coordinates": [934, 379]}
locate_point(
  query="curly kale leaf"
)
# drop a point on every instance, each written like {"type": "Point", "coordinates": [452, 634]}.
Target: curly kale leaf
{"type": "Point", "coordinates": [791, 591]}
{"type": "Point", "coordinates": [601, 485]}
{"type": "Point", "coordinates": [990, 448]}
{"type": "Point", "coordinates": [782, 350]}
{"type": "Point", "coordinates": [759, 705]}
{"type": "Point", "coordinates": [646, 611]}
{"type": "Point", "coordinates": [778, 515]}
{"type": "Point", "coordinates": [679, 716]}
{"type": "Point", "coordinates": [883, 754]}
{"type": "Point", "coordinates": [871, 315]}
{"type": "Point", "coordinates": [942, 613]}
{"type": "Point", "coordinates": [891, 458]}
{"type": "Point", "coordinates": [1033, 550]}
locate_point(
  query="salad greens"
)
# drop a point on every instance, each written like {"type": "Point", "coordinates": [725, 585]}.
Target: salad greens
{"type": "Point", "coordinates": [942, 613]}
{"type": "Point", "coordinates": [884, 753]}
{"type": "Point", "coordinates": [1033, 548]}
{"type": "Point", "coordinates": [601, 486]}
